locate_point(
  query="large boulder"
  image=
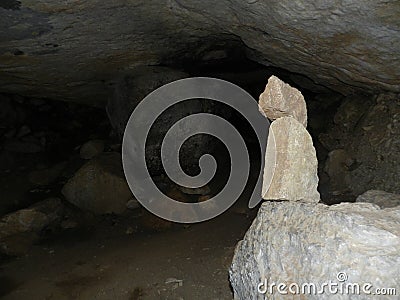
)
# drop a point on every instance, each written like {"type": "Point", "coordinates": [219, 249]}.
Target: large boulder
{"type": "Point", "coordinates": [304, 243]}
{"type": "Point", "coordinates": [99, 186]}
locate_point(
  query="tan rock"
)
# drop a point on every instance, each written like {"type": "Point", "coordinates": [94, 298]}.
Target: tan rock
{"type": "Point", "coordinates": [381, 198]}
{"type": "Point", "coordinates": [281, 100]}
{"type": "Point", "coordinates": [295, 176]}
{"type": "Point", "coordinates": [99, 186]}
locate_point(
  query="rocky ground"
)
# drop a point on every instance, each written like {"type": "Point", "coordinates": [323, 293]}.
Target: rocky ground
{"type": "Point", "coordinates": [114, 260]}
{"type": "Point", "coordinates": [70, 228]}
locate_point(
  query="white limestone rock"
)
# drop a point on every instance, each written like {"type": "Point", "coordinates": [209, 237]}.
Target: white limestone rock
{"type": "Point", "coordinates": [295, 177]}
{"type": "Point", "coordinates": [313, 243]}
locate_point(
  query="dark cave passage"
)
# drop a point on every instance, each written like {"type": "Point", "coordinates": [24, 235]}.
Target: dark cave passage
{"type": "Point", "coordinates": [43, 140]}
{"type": "Point", "coordinates": [45, 143]}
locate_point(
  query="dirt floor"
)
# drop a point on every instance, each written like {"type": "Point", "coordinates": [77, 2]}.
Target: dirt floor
{"type": "Point", "coordinates": [112, 262]}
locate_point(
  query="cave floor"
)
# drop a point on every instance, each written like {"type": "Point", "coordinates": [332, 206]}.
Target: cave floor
{"type": "Point", "coordinates": [186, 262]}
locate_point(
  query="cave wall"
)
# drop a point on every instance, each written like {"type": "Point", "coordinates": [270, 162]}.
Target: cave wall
{"type": "Point", "coordinates": [73, 50]}
{"type": "Point", "coordinates": [364, 146]}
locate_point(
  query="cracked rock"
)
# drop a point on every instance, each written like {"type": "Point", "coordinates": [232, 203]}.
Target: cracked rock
{"type": "Point", "coordinates": [281, 100]}
{"type": "Point", "coordinates": [295, 177]}
{"type": "Point", "coordinates": [315, 243]}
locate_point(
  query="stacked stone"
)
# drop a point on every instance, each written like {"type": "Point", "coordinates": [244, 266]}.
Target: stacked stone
{"type": "Point", "coordinates": [296, 241]}
{"type": "Point", "coordinates": [295, 163]}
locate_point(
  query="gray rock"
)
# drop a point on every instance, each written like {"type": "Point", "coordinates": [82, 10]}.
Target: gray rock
{"type": "Point", "coordinates": [91, 148]}
{"type": "Point", "coordinates": [295, 176]}
{"type": "Point", "coordinates": [344, 45]}
{"type": "Point", "coordinates": [368, 128]}
{"type": "Point", "coordinates": [380, 198]}
{"type": "Point", "coordinates": [131, 89]}
{"type": "Point", "coordinates": [20, 229]}
{"type": "Point", "coordinates": [281, 100]}
{"type": "Point", "coordinates": [337, 167]}
{"type": "Point", "coordinates": [99, 186]}
{"type": "Point", "coordinates": [298, 243]}
{"type": "Point", "coordinates": [351, 111]}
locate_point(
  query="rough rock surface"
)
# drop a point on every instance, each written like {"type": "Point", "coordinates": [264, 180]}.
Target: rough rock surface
{"type": "Point", "coordinates": [91, 148]}
{"type": "Point", "coordinates": [20, 229]}
{"type": "Point", "coordinates": [151, 222]}
{"type": "Point", "coordinates": [72, 50]}
{"type": "Point", "coordinates": [312, 243]}
{"type": "Point", "coordinates": [380, 198]}
{"type": "Point", "coordinates": [295, 177]}
{"type": "Point", "coordinates": [337, 167]}
{"type": "Point", "coordinates": [281, 100]}
{"type": "Point", "coordinates": [368, 128]}
{"type": "Point", "coordinates": [131, 89]}
{"type": "Point", "coordinates": [99, 186]}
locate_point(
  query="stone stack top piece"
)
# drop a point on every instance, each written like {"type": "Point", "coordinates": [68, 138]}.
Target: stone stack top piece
{"type": "Point", "coordinates": [281, 100]}
{"type": "Point", "coordinates": [291, 166]}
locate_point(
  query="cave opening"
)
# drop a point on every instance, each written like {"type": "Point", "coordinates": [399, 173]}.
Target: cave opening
{"type": "Point", "coordinates": [72, 73]}
{"type": "Point", "coordinates": [49, 144]}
